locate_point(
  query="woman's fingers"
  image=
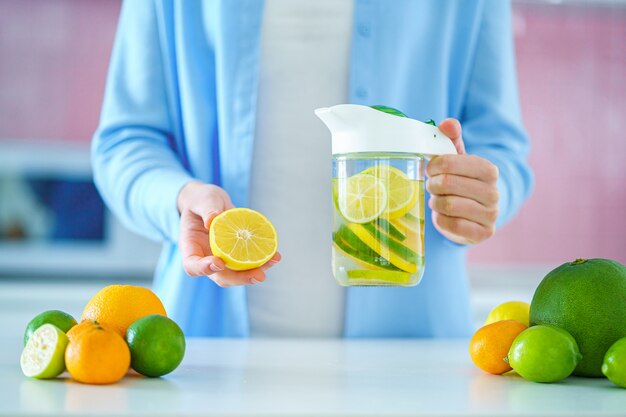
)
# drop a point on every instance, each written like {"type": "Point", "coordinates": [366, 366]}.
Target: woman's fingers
{"type": "Point", "coordinates": [461, 230]}
{"type": "Point", "coordinates": [464, 208]}
{"type": "Point", "coordinates": [199, 204]}
{"type": "Point", "coordinates": [214, 268]}
{"type": "Point", "coordinates": [193, 243]}
{"type": "Point", "coordinates": [208, 216]}
{"type": "Point", "coordinates": [229, 278]}
{"type": "Point", "coordinates": [471, 166]}
{"type": "Point", "coordinates": [275, 259]}
{"type": "Point", "coordinates": [452, 129]}
{"type": "Point", "coordinates": [196, 266]}
{"type": "Point", "coordinates": [209, 213]}
{"type": "Point", "coordinates": [464, 192]}
{"type": "Point", "coordinates": [449, 184]}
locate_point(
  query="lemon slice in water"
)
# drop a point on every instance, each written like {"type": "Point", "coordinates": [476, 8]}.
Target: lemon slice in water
{"type": "Point", "coordinates": [363, 198]}
{"type": "Point", "coordinates": [402, 194]}
{"type": "Point", "coordinates": [243, 238]}
{"type": "Point", "coordinates": [369, 277]}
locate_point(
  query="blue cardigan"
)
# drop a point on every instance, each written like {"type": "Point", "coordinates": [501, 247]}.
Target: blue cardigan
{"type": "Point", "coordinates": [180, 104]}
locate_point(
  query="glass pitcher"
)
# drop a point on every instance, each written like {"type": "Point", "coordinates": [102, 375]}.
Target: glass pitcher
{"type": "Point", "coordinates": [378, 193]}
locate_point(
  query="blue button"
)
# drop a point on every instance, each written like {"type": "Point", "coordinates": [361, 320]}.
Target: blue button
{"type": "Point", "coordinates": [364, 30]}
{"type": "Point", "coordinates": [361, 92]}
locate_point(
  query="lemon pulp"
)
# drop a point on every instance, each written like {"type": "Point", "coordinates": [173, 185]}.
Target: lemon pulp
{"type": "Point", "coordinates": [243, 238]}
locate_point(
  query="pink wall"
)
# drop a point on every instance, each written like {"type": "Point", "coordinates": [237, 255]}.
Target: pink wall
{"type": "Point", "coordinates": [572, 75]}
{"type": "Point", "coordinates": [53, 62]}
{"type": "Point", "coordinates": [572, 71]}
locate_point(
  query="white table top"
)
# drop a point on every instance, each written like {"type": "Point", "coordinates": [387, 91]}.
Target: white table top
{"type": "Point", "coordinates": [226, 377]}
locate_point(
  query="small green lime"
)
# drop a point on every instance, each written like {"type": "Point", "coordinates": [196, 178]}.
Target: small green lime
{"type": "Point", "coordinates": [44, 354]}
{"type": "Point", "coordinates": [544, 353]}
{"type": "Point", "coordinates": [614, 365]}
{"type": "Point", "coordinates": [157, 345]}
{"type": "Point", "coordinates": [59, 318]}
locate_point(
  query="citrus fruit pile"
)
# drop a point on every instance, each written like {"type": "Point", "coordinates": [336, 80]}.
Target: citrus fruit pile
{"type": "Point", "coordinates": [577, 321]}
{"type": "Point", "coordinates": [382, 225]}
{"type": "Point", "coordinates": [122, 326]}
{"type": "Point", "coordinates": [243, 238]}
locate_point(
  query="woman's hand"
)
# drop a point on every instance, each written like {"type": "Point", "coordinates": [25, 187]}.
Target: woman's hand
{"type": "Point", "coordinates": [464, 195]}
{"type": "Point", "coordinates": [198, 204]}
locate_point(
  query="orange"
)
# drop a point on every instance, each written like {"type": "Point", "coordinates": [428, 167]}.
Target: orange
{"type": "Point", "coordinates": [121, 305]}
{"type": "Point", "coordinates": [87, 324]}
{"type": "Point", "coordinates": [491, 343]}
{"type": "Point", "coordinates": [97, 355]}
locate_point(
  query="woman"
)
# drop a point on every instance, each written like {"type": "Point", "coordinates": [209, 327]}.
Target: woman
{"type": "Point", "coordinates": [209, 105]}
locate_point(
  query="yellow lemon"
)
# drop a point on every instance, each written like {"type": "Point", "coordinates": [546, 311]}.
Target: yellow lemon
{"type": "Point", "coordinates": [361, 198]}
{"type": "Point", "coordinates": [402, 193]}
{"type": "Point", "coordinates": [243, 238]}
{"type": "Point", "coordinates": [512, 310]}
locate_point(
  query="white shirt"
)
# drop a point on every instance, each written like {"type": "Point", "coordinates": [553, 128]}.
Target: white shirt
{"type": "Point", "coordinates": [304, 64]}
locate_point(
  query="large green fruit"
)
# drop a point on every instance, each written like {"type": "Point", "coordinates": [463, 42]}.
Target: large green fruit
{"type": "Point", "coordinates": [588, 299]}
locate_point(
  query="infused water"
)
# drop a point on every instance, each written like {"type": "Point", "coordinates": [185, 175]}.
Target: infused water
{"type": "Point", "coordinates": [378, 222]}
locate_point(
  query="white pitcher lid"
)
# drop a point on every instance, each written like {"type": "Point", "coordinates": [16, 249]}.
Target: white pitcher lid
{"type": "Point", "coordinates": [356, 128]}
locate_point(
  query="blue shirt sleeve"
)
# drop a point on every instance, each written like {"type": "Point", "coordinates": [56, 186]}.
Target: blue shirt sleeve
{"type": "Point", "coordinates": [492, 126]}
{"type": "Point", "coordinates": [136, 168]}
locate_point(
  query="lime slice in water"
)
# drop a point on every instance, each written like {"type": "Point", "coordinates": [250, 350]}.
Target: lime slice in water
{"type": "Point", "coordinates": [363, 198]}
{"type": "Point", "coordinates": [44, 354]}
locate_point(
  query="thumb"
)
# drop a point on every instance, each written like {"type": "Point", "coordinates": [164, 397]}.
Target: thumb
{"type": "Point", "coordinates": [208, 216]}
{"type": "Point", "coordinates": [452, 129]}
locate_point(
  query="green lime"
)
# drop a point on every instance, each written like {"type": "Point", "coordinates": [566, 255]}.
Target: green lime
{"type": "Point", "coordinates": [367, 276]}
{"type": "Point", "coordinates": [59, 318]}
{"type": "Point", "coordinates": [157, 345]}
{"type": "Point", "coordinates": [347, 242]}
{"type": "Point", "coordinates": [614, 365]}
{"type": "Point", "coordinates": [44, 354]}
{"type": "Point", "coordinates": [544, 353]}
{"type": "Point", "coordinates": [586, 298]}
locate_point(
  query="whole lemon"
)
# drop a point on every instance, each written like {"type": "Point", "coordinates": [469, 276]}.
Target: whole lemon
{"type": "Point", "coordinates": [511, 310]}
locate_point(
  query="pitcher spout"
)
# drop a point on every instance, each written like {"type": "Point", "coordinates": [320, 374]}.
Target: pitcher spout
{"type": "Point", "coordinates": [331, 119]}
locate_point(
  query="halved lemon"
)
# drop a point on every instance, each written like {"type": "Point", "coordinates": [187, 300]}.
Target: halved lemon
{"type": "Point", "coordinates": [243, 238]}
{"type": "Point", "coordinates": [361, 198]}
{"type": "Point", "coordinates": [401, 191]}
